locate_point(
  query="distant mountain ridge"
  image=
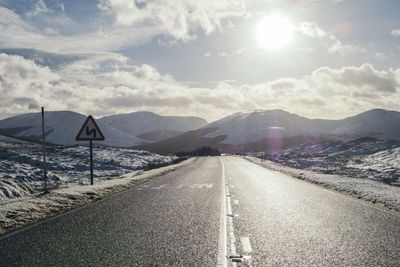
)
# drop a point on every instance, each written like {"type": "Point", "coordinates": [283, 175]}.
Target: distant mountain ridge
{"type": "Point", "coordinates": [276, 129]}
{"type": "Point", "coordinates": [240, 132]}
{"type": "Point", "coordinates": [152, 127]}
{"type": "Point", "coordinates": [119, 130]}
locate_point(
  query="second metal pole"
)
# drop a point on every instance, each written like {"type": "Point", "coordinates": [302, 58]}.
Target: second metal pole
{"type": "Point", "coordinates": [91, 162]}
{"type": "Point", "coordinates": [44, 152]}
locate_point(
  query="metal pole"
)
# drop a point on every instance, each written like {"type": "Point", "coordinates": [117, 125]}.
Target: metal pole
{"type": "Point", "coordinates": [91, 162]}
{"type": "Point", "coordinates": [44, 152]}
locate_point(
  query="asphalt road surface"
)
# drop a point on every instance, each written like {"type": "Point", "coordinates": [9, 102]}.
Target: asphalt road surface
{"type": "Point", "coordinates": [207, 211]}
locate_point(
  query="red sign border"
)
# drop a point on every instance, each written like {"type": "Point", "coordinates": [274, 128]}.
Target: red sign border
{"type": "Point", "coordinates": [90, 139]}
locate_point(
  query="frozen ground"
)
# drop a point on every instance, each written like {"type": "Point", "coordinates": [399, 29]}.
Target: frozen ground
{"type": "Point", "coordinates": [365, 158]}
{"type": "Point", "coordinates": [21, 163]}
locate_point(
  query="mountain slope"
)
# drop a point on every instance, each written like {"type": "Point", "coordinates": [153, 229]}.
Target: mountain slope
{"type": "Point", "coordinates": [61, 128]}
{"type": "Point", "coordinates": [377, 123]}
{"type": "Point", "coordinates": [277, 129]}
{"type": "Point", "coordinates": [119, 130]}
{"type": "Point", "coordinates": [152, 127]}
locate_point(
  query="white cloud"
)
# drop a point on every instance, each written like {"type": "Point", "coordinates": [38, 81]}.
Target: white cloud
{"type": "Point", "coordinates": [16, 33]}
{"type": "Point", "coordinates": [133, 25]}
{"type": "Point", "coordinates": [329, 40]}
{"type": "Point", "coordinates": [178, 19]}
{"type": "Point", "coordinates": [395, 32]}
{"type": "Point", "coordinates": [23, 84]}
{"type": "Point", "coordinates": [39, 8]}
{"type": "Point", "coordinates": [380, 56]}
{"type": "Point", "coordinates": [326, 92]}
{"type": "Point", "coordinates": [233, 53]}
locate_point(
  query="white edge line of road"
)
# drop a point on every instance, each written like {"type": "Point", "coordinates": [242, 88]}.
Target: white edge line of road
{"type": "Point", "coordinates": [222, 242]}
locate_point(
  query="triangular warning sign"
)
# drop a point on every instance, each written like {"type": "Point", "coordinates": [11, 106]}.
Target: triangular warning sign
{"type": "Point", "coordinates": [90, 131]}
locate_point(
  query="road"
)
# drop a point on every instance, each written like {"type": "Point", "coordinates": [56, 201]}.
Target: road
{"type": "Point", "coordinates": [202, 213]}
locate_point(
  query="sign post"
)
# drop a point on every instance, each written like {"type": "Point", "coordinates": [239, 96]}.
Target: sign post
{"type": "Point", "coordinates": [44, 152]}
{"type": "Point", "coordinates": [90, 132]}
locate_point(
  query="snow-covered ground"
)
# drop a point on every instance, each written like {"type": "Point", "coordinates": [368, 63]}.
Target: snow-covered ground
{"type": "Point", "coordinates": [21, 163]}
{"type": "Point", "coordinates": [364, 158]}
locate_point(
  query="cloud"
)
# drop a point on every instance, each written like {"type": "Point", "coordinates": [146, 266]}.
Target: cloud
{"type": "Point", "coordinates": [85, 86]}
{"type": "Point", "coordinates": [17, 33]}
{"type": "Point", "coordinates": [39, 8]}
{"type": "Point", "coordinates": [395, 32]}
{"type": "Point", "coordinates": [364, 78]}
{"type": "Point", "coordinates": [233, 53]}
{"type": "Point", "coordinates": [329, 40]}
{"type": "Point", "coordinates": [177, 19]}
{"type": "Point", "coordinates": [22, 84]}
{"type": "Point", "coordinates": [380, 56]}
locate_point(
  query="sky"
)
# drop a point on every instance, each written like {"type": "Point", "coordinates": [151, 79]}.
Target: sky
{"type": "Point", "coordinates": [326, 59]}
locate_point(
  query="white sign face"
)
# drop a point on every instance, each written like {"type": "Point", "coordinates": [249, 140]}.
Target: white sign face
{"type": "Point", "coordinates": [90, 131]}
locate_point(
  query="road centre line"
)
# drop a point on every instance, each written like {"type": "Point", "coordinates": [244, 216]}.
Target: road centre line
{"type": "Point", "coordinates": [246, 244]}
{"type": "Point", "coordinates": [230, 225]}
{"type": "Point", "coordinates": [222, 240]}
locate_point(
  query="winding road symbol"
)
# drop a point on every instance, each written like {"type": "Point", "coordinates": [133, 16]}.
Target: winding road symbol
{"type": "Point", "coordinates": [90, 131]}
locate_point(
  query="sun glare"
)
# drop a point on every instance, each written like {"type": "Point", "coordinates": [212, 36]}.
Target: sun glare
{"type": "Point", "coordinates": [274, 32]}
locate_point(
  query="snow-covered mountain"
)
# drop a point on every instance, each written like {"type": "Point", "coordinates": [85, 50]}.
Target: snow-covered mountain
{"type": "Point", "coordinates": [119, 130]}
{"type": "Point", "coordinates": [245, 128]}
{"type": "Point", "coordinates": [251, 131]}
{"type": "Point", "coordinates": [152, 127]}
{"type": "Point", "coordinates": [61, 128]}
{"type": "Point", "coordinates": [376, 123]}
{"type": "Point", "coordinates": [276, 129]}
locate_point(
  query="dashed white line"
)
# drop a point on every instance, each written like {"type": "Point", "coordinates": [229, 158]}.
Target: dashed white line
{"type": "Point", "coordinates": [230, 224]}
{"type": "Point", "coordinates": [246, 244]}
{"type": "Point", "coordinates": [159, 187]}
{"type": "Point", "coordinates": [199, 186]}
{"type": "Point", "coordinates": [222, 242]}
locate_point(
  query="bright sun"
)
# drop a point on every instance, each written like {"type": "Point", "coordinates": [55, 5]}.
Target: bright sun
{"type": "Point", "coordinates": [274, 32]}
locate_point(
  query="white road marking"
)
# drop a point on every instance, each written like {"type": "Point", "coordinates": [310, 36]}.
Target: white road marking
{"type": "Point", "coordinates": [246, 244]}
{"type": "Point", "coordinates": [198, 186]}
{"type": "Point", "coordinates": [230, 225]}
{"type": "Point", "coordinates": [236, 202]}
{"type": "Point", "coordinates": [142, 187]}
{"type": "Point", "coordinates": [222, 242]}
{"type": "Point", "coordinates": [159, 187]}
